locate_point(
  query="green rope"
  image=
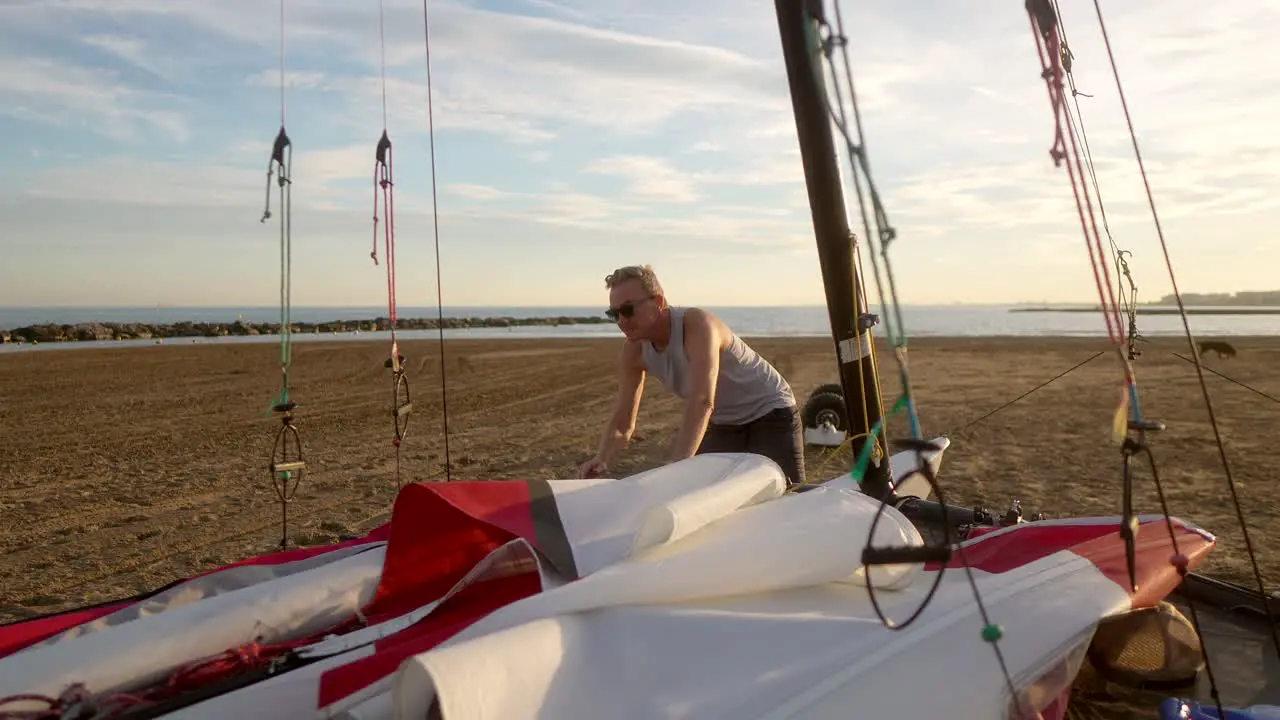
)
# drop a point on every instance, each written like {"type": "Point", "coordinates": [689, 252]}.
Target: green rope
{"type": "Point", "coordinates": [281, 163]}
{"type": "Point", "coordinates": [859, 471]}
{"type": "Point", "coordinates": [286, 287]}
{"type": "Point", "coordinates": [820, 50]}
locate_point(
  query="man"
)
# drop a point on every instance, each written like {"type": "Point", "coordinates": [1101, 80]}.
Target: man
{"type": "Point", "coordinates": [734, 401]}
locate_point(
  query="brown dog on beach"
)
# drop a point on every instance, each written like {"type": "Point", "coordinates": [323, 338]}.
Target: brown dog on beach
{"type": "Point", "coordinates": [1222, 347]}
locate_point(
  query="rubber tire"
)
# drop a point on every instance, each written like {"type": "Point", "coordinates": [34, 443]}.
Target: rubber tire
{"type": "Point", "coordinates": [819, 403]}
{"type": "Point", "coordinates": [834, 387]}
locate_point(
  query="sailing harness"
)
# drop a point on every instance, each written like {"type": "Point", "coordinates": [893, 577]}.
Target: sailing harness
{"type": "Point", "coordinates": [383, 180]}
{"type": "Point", "coordinates": [287, 461]}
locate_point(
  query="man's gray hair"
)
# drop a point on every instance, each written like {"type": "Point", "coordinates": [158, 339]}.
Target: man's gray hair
{"type": "Point", "coordinates": [644, 273]}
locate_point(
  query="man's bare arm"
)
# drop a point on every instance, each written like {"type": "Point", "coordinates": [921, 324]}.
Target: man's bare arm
{"type": "Point", "coordinates": [622, 423]}
{"type": "Point", "coordinates": [702, 340]}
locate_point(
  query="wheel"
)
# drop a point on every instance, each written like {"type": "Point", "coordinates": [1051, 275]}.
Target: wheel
{"type": "Point", "coordinates": [826, 407]}
{"type": "Point", "coordinates": [834, 387]}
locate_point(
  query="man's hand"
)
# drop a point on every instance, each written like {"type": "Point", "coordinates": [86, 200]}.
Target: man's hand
{"type": "Point", "coordinates": [622, 421]}
{"type": "Point", "coordinates": [593, 468]}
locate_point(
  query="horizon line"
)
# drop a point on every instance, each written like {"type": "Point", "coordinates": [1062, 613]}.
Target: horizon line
{"type": "Point", "coordinates": [493, 306]}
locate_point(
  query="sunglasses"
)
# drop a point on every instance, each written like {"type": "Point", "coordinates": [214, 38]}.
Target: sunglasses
{"type": "Point", "coordinates": [626, 310]}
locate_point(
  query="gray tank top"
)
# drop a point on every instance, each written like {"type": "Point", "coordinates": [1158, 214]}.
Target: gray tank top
{"type": "Point", "coordinates": [748, 387]}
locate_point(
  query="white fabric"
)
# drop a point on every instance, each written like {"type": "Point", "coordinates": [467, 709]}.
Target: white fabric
{"type": "Point", "coordinates": [204, 587]}
{"type": "Point", "coordinates": [748, 482]}
{"type": "Point", "coordinates": [798, 541]}
{"type": "Point", "coordinates": [293, 694]}
{"type": "Point", "coordinates": [904, 470]}
{"type": "Point", "coordinates": [604, 520]}
{"type": "Point", "coordinates": [706, 592]}
{"type": "Point", "coordinates": [137, 653]}
{"type": "Point", "coordinates": [810, 652]}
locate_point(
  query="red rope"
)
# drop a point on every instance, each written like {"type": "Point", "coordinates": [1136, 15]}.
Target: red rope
{"type": "Point", "coordinates": [389, 232]}
{"type": "Point", "coordinates": [1204, 389]}
{"type": "Point", "coordinates": [377, 165]}
{"type": "Point", "coordinates": [1049, 49]}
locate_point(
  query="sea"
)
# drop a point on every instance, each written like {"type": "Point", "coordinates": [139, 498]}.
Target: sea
{"type": "Point", "coordinates": [790, 321]}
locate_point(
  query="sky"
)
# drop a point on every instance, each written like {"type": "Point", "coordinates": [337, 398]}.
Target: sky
{"type": "Point", "coordinates": [575, 136]}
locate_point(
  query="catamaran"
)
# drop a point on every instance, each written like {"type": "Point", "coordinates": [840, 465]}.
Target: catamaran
{"type": "Point", "coordinates": [706, 588]}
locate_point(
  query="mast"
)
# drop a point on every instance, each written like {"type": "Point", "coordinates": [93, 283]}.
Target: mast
{"type": "Point", "coordinates": [850, 321]}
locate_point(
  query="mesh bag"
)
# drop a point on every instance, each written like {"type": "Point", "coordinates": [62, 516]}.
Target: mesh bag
{"type": "Point", "coordinates": [1147, 649]}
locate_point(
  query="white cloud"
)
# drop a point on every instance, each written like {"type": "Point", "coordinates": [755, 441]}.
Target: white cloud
{"type": "Point", "coordinates": [328, 165]}
{"type": "Point", "coordinates": [495, 69]}
{"type": "Point", "coordinates": [292, 79]}
{"type": "Point", "coordinates": [687, 105]}
{"type": "Point", "coordinates": [526, 78]}
{"type": "Point", "coordinates": [576, 209]}
{"type": "Point", "coordinates": [45, 91]}
{"type": "Point", "coordinates": [648, 178]}
{"type": "Point", "coordinates": [130, 49]}
{"type": "Point", "coordinates": [471, 191]}
{"type": "Point", "coordinates": [319, 178]}
{"type": "Point", "coordinates": [739, 227]}
{"type": "Point", "coordinates": [361, 98]}
{"type": "Point", "coordinates": [132, 180]}
{"type": "Point", "coordinates": [563, 10]}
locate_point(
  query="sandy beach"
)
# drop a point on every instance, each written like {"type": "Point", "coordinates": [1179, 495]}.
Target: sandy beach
{"type": "Point", "coordinates": [124, 469]}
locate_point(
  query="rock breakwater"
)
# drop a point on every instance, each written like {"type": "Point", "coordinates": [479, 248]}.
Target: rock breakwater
{"type": "Point", "coordinates": [85, 332]}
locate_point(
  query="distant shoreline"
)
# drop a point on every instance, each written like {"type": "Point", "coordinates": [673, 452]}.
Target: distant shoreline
{"type": "Point", "coordinates": [110, 327]}
{"type": "Point", "coordinates": [1159, 310]}
{"type": "Point", "coordinates": [103, 331]}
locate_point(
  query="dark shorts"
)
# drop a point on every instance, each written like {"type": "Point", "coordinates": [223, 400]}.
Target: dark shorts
{"type": "Point", "coordinates": [777, 435]}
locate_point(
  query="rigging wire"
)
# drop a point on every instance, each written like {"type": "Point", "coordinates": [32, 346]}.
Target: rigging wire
{"type": "Point", "coordinates": [1028, 393]}
{"type": "Point", "coordinates": [435, 221]}
{"type": "Point", "coordinates": [866, 338]}
{"type": "Point", "coordinates": [1047, 32]}
{"type": "Point", "coordinates": [383, 179]}
{"type": "Point", "coordinates": [281, 63]}
{"type": "Point", "coordinates": [866, 348]}
{"type": "Point", "coordinates": [280, 165]}
{"type": "Point", "coordinates": [1119, 257]}
{"type": "Point", "coordinates": [1186, 325]}
{"type": "Point", "coordinates": [1048, 45]}
{"type": "Point", "coordinates": [287, 461]}
{"type": "Point", "coordinates": [1250, 388]}
{"type": "Point", "coordinates": [869, 351]}
{"type": "Point", "coordinates": [382, 51]}
{"type": "Point", "coordinates": [824, 40]}
{"type": "Point", "coordinates": [884, 231]}
{"type": "Point", "coordinates": [1131, 304]}
{"type": "Point", "coordinates": [1043, 20]}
